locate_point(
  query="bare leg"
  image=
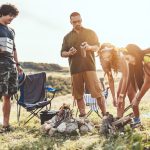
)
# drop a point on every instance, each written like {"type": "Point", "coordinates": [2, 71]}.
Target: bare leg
{"type": "Point", "coordinates": [112, 87]}
{"type": "Point", "coordinates": [81, 106]}
{"type": "Point", "coordinates": [120, 109]}
{"type": "Point", "coordinates": [120, 106]}
{"type": "Point", "coordinates": [131, 94]}
{"type": "Point", "coordinates": [101, 104]}
{"type": "Point", "coordinates": [6, 110]}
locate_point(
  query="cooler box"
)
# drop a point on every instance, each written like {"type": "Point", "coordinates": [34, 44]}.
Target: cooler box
{"type": "Point", "coordinates": [47, 115]}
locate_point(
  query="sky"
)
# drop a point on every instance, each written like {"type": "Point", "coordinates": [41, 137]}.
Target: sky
{"type": "Point", "coordinates": [42, 24]}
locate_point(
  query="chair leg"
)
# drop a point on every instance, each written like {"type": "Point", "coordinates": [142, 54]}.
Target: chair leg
{"type": "Point", "coordinates": [33, 114]}
{"type": "Point", "coordinates": [98, 114]}
{"type": "Point", "coordinates": [89, 113]}
{"type": "Point", "coordinates": [18, 113]}
{"type": "Point", "coordinates": [77, 112]}
{"type": "Point", "coordinates": [50, 105]}
{"type": "Point", "coordinates": [96, 111]}
{"type": "Point", "coordinates": [51, 100]}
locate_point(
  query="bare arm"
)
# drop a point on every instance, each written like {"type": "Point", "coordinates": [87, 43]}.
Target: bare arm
{"type": "Point", "coordinates": [122, 87]}
{"type": "Point", "coordinates": [125, 76]}
{"type": "Point", "coordinates": [16, 57]}
{"type": "Point", "coordinates": [145, 87]}
{"type": "Point", "coordinates": [94, 48]}
{"type": "Point", "coordinates": [88, 47]}
{"type": "Point", "coordinates": [17, 62]}
{"type": "Point", "coordinates": [112, 87]}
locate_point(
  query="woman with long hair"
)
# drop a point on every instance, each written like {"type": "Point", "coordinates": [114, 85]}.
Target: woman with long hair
{"type": "Point", "coordinates": [140, 62]}
{"type": "Point", "coordinates": [113, 60]}
{"type": "Point", "coordinates": [134, 64]}
{"type": "Point", "coordinates": [109, 61]}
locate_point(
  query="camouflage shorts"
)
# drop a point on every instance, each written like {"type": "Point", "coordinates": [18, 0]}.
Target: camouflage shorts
{"type": "Point", "coordinates": [8, 79]}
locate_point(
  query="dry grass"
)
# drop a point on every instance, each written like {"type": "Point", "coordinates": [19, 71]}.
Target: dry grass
{"type": "Point", "coordinates": [30, 137]}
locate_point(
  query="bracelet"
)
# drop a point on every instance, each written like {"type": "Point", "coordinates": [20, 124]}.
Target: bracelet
{"type": "Point", "coordinates": [17, 64]}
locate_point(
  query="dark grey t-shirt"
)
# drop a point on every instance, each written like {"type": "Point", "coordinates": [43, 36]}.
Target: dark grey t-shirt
{"type": "Point", "coordinates": [9, 33]}
{"type": "Point", "coordinates": [78, 63]}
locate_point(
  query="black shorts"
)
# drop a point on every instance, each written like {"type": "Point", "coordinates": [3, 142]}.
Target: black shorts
{"type": "Point", "coordinates": [8, 79]}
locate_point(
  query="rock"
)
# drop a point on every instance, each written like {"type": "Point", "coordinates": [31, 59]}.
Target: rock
{"type": "Point", "coordinates": [86, 120]}
{"type": "Point", "coordinates": [83, 129]}
{"type": "Point", "coordinates": [90, 126]}
{"type": "Point", "coordinates": [52, 131]}
{"type": "Point", "coordinates": [62, 127]}
{"type": "Point", "coordinates": [52, 120]}
{"type": "Point", "coordinates": [80, 122]}
{"type": "Point", "coordinates": [71, 127]}
{"type": "Point", "coordinates": [45, 127]}
{"type": "Point", "coordinates": [72, 120]}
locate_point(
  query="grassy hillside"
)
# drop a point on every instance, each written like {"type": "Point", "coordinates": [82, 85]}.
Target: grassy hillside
{"type": "Point", "coordinates": [63, 83]}
{"type": "Point", "coordinates": [57, 76]}
{"type": "Point", "coordinates": [41, 66]}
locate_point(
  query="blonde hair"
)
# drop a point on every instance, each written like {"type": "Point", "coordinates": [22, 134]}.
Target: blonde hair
{"type": "Point", "coordinates": [114, 61]}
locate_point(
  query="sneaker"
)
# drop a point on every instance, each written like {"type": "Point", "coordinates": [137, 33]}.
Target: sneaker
{"type": "Point", "coordinates": [105, 114]}
{"type": "Point", "coordinates": [6, 129]}
{"type": "Point", "coordinates": [135, 122]}
{"type": "Point", "coordinates": [82, 116]}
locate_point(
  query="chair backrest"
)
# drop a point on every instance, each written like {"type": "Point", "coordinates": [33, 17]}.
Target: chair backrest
{"type": "Point", "coordinates": [90, 101]}
{"type": "Point", "coordinates": [33, 88]}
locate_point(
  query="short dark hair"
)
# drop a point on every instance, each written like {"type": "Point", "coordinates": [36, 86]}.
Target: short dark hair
{"type": "Point", "coordinates": [74, 14]}
{"type": "Point", "coordinates": [7, 9]}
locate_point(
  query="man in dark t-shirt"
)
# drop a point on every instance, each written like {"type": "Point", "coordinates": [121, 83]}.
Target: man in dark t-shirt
{"type": "Point", "coordinates": [79, 46]}
{"type": "Point", "coordinates": [8, 61]}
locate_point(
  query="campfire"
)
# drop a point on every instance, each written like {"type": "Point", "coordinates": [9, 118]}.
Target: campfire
{"type": "Point", "coordinates": [63, 122]}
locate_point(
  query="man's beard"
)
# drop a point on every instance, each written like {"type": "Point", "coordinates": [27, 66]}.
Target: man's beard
{"type": "Point", "coordinates": [78, 27]}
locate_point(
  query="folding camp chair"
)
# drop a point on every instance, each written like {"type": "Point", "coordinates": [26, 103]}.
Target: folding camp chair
{"type": "Point", "coordinates": [33, 95]}
{"type": "Point", "coordinates": [104, 88]}
{"type": "Point", "coordinates": [92, 103]}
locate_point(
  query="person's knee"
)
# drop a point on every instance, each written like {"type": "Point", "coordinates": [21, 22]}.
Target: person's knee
{"type": "Point", "coordinates": [131, 95]}
{"type": "Point", "coordinates": [6, 99]}
{"type": "Point", "coordinates": [100, 99]}
{"type": "Point", "coordinates": [79, 99]}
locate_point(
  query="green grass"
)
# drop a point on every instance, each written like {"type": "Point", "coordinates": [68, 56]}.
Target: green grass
{"type": "Point", "coordinates": [30, 136]}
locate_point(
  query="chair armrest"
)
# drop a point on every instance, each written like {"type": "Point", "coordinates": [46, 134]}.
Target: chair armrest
{"type": "Point", "coordinates": [52, 90]}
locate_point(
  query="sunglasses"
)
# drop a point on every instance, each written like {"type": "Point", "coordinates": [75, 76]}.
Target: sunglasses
{"type": "Point", "coordinates": [78, 21]}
